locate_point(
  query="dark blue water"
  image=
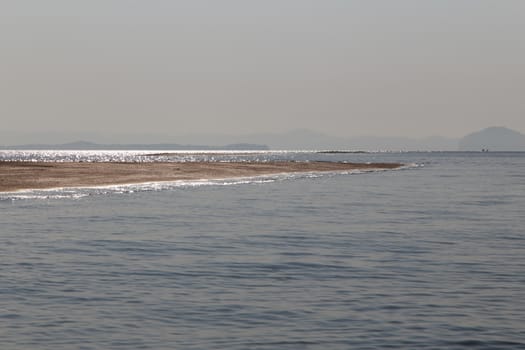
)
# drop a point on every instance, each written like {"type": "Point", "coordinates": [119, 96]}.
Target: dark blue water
{"type": "Point", "coordinates": [425, 258]}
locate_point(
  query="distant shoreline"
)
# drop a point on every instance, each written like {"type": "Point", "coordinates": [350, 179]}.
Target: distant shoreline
{"type": "Point", "coordinates": [15, 176]}
{"type": "Point", "coordinates": [91, 146]}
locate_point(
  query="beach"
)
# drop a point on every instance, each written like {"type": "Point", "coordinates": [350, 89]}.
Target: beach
{"type": "Point", "coordinates": [16, 176]}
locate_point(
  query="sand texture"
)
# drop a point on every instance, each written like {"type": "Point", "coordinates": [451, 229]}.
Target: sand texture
{"type": "Point", "coordinates": [41, 175]}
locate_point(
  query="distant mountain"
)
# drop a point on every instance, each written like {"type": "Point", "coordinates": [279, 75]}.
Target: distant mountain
{"type": "Point", "coordinates": [433, 143]}
{"type": "Point", "coordinates": [493, 139]}
{"type": "Point", "coordinates": [291, 140]}
{"type": "Point", "coordinates": [85, 145]}
{"type": "Point", "coordinates": [311, 140]}
{"type": "Point", "coordinates": [307, 139]}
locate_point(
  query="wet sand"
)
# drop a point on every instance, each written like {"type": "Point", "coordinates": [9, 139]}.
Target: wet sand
{"type": "Point", "coordinates": [41, 175]}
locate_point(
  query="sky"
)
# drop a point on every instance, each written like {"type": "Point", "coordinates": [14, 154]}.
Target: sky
{"type": "Point", "coordinates": [411, 68]}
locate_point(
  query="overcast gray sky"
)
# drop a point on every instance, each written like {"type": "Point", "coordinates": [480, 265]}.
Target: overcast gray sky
{"type": "Point", "coordinates": [348, 68]}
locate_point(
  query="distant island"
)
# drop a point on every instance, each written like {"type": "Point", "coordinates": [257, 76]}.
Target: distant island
{"type": "Point", "coordinates": [493, 139]}
{"type": "Point", "coordinates": [85, 145]}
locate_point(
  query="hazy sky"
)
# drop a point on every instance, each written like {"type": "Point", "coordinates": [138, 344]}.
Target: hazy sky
{"type": "Point", "coordinates": [348, 68]}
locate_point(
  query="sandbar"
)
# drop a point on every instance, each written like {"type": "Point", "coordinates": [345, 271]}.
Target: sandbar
{"type": "Point", "coordinates": [16, 176]}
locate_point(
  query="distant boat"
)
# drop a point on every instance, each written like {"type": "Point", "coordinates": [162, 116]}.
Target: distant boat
{"type": "Point", "coordinates": [484, 150]}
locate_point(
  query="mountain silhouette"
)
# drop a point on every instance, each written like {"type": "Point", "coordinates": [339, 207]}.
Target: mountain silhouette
{"type": "Point", "coordinates": [493, 139]}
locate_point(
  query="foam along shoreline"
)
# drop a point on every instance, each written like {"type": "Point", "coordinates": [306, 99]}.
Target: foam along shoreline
{"type": "Point", "coordinates": [15, 176]}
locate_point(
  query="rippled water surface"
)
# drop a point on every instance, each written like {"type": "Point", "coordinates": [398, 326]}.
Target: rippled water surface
{"type": "Point", "coordinates": [428, 257]}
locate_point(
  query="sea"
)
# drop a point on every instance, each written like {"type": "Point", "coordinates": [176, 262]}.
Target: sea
{"type": "Point", "coordinates": [429, 256]}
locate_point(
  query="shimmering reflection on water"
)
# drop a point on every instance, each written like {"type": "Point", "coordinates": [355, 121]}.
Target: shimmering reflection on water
{"type": "Point", "coordinates": [427, 258]}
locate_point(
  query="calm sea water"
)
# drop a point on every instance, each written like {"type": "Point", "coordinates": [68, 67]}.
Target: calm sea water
{"type": "Point", "coordinates": [429, 257]}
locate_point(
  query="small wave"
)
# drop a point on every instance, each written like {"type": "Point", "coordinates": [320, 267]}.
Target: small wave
{"type": "Point", "coordinates": [410, 166]}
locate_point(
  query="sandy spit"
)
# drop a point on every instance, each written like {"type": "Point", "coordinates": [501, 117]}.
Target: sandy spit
{"type": "Point", "coordinates": [41, 175]}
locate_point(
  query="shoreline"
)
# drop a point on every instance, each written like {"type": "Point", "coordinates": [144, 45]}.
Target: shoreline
{"type": "Point", "coordinates": [17, 176]}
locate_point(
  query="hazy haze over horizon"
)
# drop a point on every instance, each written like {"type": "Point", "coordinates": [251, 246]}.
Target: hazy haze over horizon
{"type": "Point", "coordinates": [344, 68]}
